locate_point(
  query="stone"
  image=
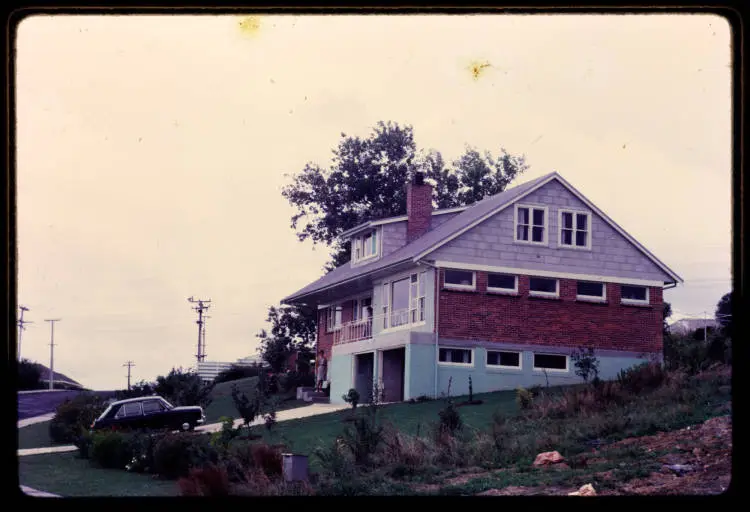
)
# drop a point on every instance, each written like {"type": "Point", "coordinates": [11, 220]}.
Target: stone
{"type": "Point", "coordinates": [548, 458]}
{"type": "Point", "coordinates": [679, 469]}
{"type": "Point", "coordinates": [586, 490]}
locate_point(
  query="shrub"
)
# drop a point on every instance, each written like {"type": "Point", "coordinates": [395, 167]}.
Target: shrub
{"type": "Point", "coordinates": [220, 440]}
{"type": "Point", "coordinates": [335, 459]}
{"type": "Point", "coordinates": [293, 380]}
{"type": "Point", "coordinates": [248, 408]}
{"type": "Point", "coordinates": [176, 454]}
{"type": "Point", "coordinates": [236, 372]}
{"type": "Point", "coordinates": [686, 352]}
{"type": "Point", "coordinates": [29, 375]}
{"type": "Point", "coordinates": [363, 436]}
{"type": "Point", "coordinates": [524, 398]}
{"type": "Point", "coordinates": [586, 363]}
{"type": "Point", "coordinates": [141, 388]}
{"type": "Point", "coordinates": [352, 398]}
{"type": "Point", "coordinates": [74, 417]}
{"type": "Point", "coordinates": [267, 459]}
{"type": "Point", "coordinates": [184, 388]}
{"type": "Point", "coordinates": [211, 480]}
{"type": "Point", "coordinates": [113, 450]}
{"type": "Point", "coordinates": [641, 377]}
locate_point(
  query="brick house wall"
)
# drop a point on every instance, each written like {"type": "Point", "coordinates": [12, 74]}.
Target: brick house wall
{"type": "Point", "coordinates": [325, 339]}
{"type": "Point", "coordinates": [566, 322]}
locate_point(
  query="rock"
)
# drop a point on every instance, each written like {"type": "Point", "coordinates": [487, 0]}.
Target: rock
{"type": "Point", "coordinates": [547, 458]}
{"type": "Point", "coordinates": [679, 469]}
{"type": "Point", "coordinates": [586, 490]}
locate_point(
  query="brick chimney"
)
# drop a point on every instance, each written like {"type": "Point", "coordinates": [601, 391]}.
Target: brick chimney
{"type": "Point", "coordinates": [418, 207]}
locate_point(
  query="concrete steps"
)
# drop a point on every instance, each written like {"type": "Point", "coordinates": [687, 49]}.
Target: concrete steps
{"type": "Point", "coordinates": [310, 395]}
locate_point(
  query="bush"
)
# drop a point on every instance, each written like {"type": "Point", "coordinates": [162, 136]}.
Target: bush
{"type": "Point", "coordinates": [74, 417]}
{"type": "Point", "coordinates": [29, 375]}
{"type": "Point", "coordinates": [176, 454]}
{"type": "Point", "coordinates": [641, 377]}
{"type": "Point", "coordinates": [352, 398]}
{"type": "Point", "coordinates": [184, 388]}
{"type": "Point", "coordinates": [363, 436]}
{"type": "Point", "coordinates": [248, 408]}
{"type": "Point", "coordinates": [450, 419]}
{"type": "Point", "coordinates": [236, 372]}
{"type": "Point", "coordinates": [113, 450]}
{"type": "Point", "coordinates": [586, 363]}
{"type": "Point", "coordinates": [141, 388]}
{"type": "Point", "coordinates": [524, 398]}
{"type": "Point", "coordinates": [220, 440]}
{"type": "Point", "coordinates": [211, 480]}
{"type": "Point", "coordinates": [267, 459]}
{"type": "Point", "coordinates": [293, 380]}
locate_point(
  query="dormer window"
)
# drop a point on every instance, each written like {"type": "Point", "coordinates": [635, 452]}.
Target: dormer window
{"type": "Point", "coordinates": [365, 246]}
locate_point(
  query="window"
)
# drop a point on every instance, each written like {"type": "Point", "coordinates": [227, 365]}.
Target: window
{"type": "Point", "coordinates": [399, 302]}
{"type": "Point", "coordinates": [531, 224]}
{"type": "Point", "coordinates": [551, 362]}
{"type": "Point", "coordinates": [130, 409]}
{"type": "Point", "coordinates": [575, 229]}
{"type": "Point", "coordinates": [404, 300]}
{"type": "Point", "coordinates": [504, 359]}
{"type": "Point", "coordinates": [634, 294]}
{"type": "Point", "coordinates": [385, 305]}
{"type": "Point", "coordinates": [590, 291]}
{"type": "Point", "coordinates": [455, 356]}
{"type": "Point", "coordinates": [416, 294]}
{"type": "Point", "coordinates": [502, 283]}
{"type": "Point", "coordinates": [543, 287]}
{"type": "Point", "coordinates": [333, 317]}
{"type": "Point", "coordinates": [459, 279]}
{"type": "Point", "coordinates": [365, 246]}
{"type": "Point", "coordinates": [152, 406]}
{"type": "Point", "coordinates": [362, 308]}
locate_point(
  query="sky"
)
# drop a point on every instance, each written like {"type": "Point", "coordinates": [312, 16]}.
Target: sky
{"type": "Point", "coordinates": [152, 150]}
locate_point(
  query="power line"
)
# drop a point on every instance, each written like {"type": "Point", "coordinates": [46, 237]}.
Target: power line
{"type": "Point", "coordinates": [52, 351]}
{"type": "Point", "coordinates": [129, 364]}
{"type": "Point", "coordinates": [21, 328]}
{"type": "Point", "coordinates": [202, 305]}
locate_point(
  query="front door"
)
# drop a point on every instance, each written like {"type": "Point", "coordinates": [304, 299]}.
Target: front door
{"type": "Point", "coordinates": [392, 374]}
{"type": "Point", "coordinates": [363, 373]}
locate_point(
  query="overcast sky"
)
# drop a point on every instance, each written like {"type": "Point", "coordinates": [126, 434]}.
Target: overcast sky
{"type": "Point", "coordinates": [152, 151]}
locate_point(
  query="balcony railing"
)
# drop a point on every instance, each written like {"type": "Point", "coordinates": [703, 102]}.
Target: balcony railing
{"type": "Point", "coordinates": [358, 330]}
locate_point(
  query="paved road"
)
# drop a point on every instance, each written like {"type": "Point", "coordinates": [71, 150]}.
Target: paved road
{"type": "Point", "coordinates": [44, 402]}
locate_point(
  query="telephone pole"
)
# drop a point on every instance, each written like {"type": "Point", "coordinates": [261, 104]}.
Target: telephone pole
{"type": "Point", "coordinates": [129, 364]}
{"type": "Point", "coordinates": [21, 328]}
{"type": "Point", "coordinates": [52, 351]}
{"type": "Point", "coordinates": [202, 305]}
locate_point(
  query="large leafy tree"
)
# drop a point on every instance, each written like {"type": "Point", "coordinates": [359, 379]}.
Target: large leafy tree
{"type": "Point", "coordinates": [367, 180]}
{"type": "Point", "coordinates": [723, 313]}
{"type": "Point", "coordinates": [292, 330]}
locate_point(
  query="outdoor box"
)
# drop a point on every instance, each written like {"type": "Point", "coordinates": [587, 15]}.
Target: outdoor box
{"type": "Point", "coordinates": [295, 467]}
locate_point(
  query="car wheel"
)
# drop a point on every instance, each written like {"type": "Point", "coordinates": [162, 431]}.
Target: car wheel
{"type": "Point", "coordinates": [187, 426]}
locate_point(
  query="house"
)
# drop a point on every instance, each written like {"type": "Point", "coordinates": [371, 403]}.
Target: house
{"type": "Point", "coordinates": [501, 291]}
{"type": "Point", "coordinates": [208, 370]}
{"type": "Point", "coordinates": [60, 381]}
{"type": "Point", "coordinates": [690, 325]}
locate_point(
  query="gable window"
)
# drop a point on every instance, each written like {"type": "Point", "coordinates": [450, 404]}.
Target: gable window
{"type": "Point", "coordinates": [506, 283]}
{"type": "Point", "coordinates": [333, 317]}
{"type": "Point", "coordinates": [575, 229]}
{"type": "Point", "coordinates": [586, 290]}
{"type": "Point", "coordinates": [551, 362]}
{"type": "Point", "coordinates": [365, 246]}
{"type": "Point", "coordinates": [462, 356]}
{"type": "Point", "coordinates": [504, 359]}
{"type": "Point", "coordinates": [460, 279]}
{"type": "Point", "coordinates": [633, 294]}
{"type": "Point", "coordinates": [531, 224]}
{"type": "Point", "coordinates": [544, 287]}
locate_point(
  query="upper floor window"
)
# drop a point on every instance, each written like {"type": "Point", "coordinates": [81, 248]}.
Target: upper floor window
{"type": "Point", "coordinates": [575, 229]}
{"type": "Point", "coordinates": [633, 294]}
{"type": "Point", "coordinates": [531, 224]}
{"type": "Point", "coordinates": [460, 279]}
{"type": "Point", "coordinates": [365, 246]}
{"type": "Point", "coordinates": [333, 317]}
{"type": "Point", "coordinates": [404, 300]}
{"type": "Point", "coordinates": [505, 283]}
{"type": "Point", "coordinates": [362, 308]}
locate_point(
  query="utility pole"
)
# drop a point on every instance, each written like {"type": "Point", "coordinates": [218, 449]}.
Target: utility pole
{"type": "Point", "coordinates": [203, 345]}
{"type": "Point", "coordinates": [21, 328]}
{"type": "Point", "coordinates": [202, 306]}
{"type": "Point", "coordinates": [129, 364]}
{"type": "Point", "coordinates": [52, 351]}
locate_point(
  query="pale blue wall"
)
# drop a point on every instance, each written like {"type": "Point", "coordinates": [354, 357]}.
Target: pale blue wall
{"type": "Point", "coordinates": [420, 376]}
{"type": "Point", "coordinates": [340, 375]}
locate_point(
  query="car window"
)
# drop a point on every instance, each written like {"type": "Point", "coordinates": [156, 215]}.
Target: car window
{"type": "Point", "coordinates": [152, 406]}
{"type": "Point", "coordinates": [128, 410]}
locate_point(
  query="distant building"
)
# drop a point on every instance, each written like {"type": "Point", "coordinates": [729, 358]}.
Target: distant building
{"type": "Point", "coordinates": [60, 381]}
{"type": "Point", "coordinates": [208, 370]}
{"type": "Point", "coordinates": [688, 325]}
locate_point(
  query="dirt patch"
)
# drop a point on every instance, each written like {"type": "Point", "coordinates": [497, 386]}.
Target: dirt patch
{"type": "Point", "coordinates": [512, 490]}
{"type": "Point", "coordinates": [462, 479]}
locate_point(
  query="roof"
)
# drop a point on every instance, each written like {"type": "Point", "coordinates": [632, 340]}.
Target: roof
{"type": "Point", "coordinates": [58, 377]}
{"type": "Point", "coordinates": [390, 220]}
{"type": "Point", "coordinates": [450, 229]}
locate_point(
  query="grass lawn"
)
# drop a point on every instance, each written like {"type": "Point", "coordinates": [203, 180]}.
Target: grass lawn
{"type": "Point", "coordinates": [223, 405]}
{"type": "Point", "coordinates": [67, 475]}
{"type": "Point", "coordinates": [35, 436]}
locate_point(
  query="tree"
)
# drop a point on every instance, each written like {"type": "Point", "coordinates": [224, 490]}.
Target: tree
{"type": "Point", "coordinates": [29, 375]}
{"type": "Point", "coordinates": [292, 330]}
{"type": "Point", "coordinates": [667, 312]}
{"type": "Point", "coordinates": [724, 313]}
{"type": "Point", "coordinates": [183, 388]}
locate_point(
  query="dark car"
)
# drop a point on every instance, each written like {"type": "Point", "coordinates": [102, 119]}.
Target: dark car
{"type": "Point", "coordinates": [148, 412]}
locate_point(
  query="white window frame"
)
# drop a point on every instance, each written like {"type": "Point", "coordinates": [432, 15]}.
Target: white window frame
{"type": "Point", "coordinates": [505, 291]}
{"type": "Point", "coordinates": [635, 301]}
{"type": "Point", "coordinates": [359, 250]}
{"type": "Point", "coordinates": [545, 232]}
{"type": "Point", "coordinates": [592, 298]}
{"type": "Point", "coordinates": [556, 370]}
{"type": "Point", "coordinates": [450, 363]}
{"type": "Point", "coordinates": [450, 286]}
{"type": "Point", "coordinates": [554, 295]}
{"type": "Point", "coordinates": [387, 301]}
{"type": "Point", "coordinates": [588, 231]}
{"type": "Point", "coordinates": [332, 308]}
{"type": "Point", "coordinates": [502, 366]}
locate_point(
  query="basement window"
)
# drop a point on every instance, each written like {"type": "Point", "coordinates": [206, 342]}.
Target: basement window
{"type": "Point", "coordinates": [633, 294]}
{"type": "Point", "coordinates": [591, 291]}
{"type": "Point", "coordinates": [457, 356]}
{"type": "Point", "coordinates": [544, 287]}
{"type": "Point", "coordinates": [501, 359]}
{"type": "Point", "coordinates": [551, 362]}
{"type": "Point", "coordinates": [460, 279]}
{"type": "Point", "coordinates": [503, 283]}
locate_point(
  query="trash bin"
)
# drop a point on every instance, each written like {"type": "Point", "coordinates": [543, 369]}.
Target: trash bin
{"type": "Point", "coordinates": [295, 467]}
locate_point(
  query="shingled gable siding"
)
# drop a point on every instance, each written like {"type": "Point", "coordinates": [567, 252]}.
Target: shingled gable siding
{"type": "Point", "coordinates": [394, 233]}
{"type": "Point", "coordinates": [491, 243]}
{"type": "Point", "coordinates": [478, 315]}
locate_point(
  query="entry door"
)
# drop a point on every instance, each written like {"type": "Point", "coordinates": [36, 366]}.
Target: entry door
{"type": "Point", "coordinates": [364, 370]}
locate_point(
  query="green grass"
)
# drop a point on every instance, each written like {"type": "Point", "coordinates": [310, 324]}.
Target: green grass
{"type": "Point", "coordinates": [35, 436]}
{"type": "Point", "coordinates": [67, 475]}
{"type": "Point", "coordinates": [223, 405]}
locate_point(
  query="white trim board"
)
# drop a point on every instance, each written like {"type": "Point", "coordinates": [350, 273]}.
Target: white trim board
{"type": "Point", "coordinates": [573, 191]}
{"type": "Point", "coordinates": [546, 273]}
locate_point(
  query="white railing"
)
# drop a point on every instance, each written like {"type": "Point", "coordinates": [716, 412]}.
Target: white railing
{"type": "Point", "coordinates": [358, 330]}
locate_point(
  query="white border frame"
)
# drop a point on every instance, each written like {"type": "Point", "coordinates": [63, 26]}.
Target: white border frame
{"type": "Point", "coordinates": [555, 370]}
{"type": "Point", "coordinates": [465, 287]}
{"type": "Point", "coordinates": [589, 231]}
{"type": "Point", "coordinates": [500, 366]}
{"type": "Point", "coordinates": [548, 295]}
{"type": "Point", "coordinates": [379, 234]}
{"type": "Point", "coordinates": [593, 298]}
{"type": "Point", "coordinates": [635, 302]}
{"type": "Point", "coordinates": [336, 327]}
{"type": "Point", "coordinates": [503, 291]}
{"type": "Point", "coordinates": [460, 365]}
{"type": "Point", "coordinates": [545, 208]}
{"type": "Point", "coordinates": [388, 283]}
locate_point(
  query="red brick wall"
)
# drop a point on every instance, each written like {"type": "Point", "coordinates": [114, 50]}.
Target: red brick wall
{"type": "Point", "coordinates": [325, 339]}
{"type": "Point", "coordinates": [418, 210]}
{"type": "Point", "coordinates": [540, 321]}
